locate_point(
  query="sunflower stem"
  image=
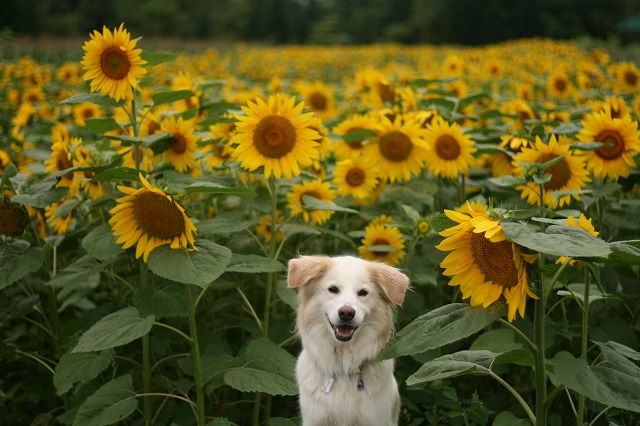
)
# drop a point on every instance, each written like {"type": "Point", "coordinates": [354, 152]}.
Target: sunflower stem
{"type": "Point", "coordinates": [197, 362]}
{"type": "Point", "coordinates": [146, 353]}
{"type": "Point", "coordinates": [539, 339]}
{"type": "Point", "coordinates": [516, 395]}
{"type": "Point", "coordinates": [582, 400]}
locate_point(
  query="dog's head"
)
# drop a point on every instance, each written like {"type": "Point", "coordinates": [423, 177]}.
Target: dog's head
{"type": "Point", "coordinates": [346, 293]}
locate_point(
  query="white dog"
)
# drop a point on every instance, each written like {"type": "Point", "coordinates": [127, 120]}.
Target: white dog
{"type": "Point", "coordinates": [344, 318]}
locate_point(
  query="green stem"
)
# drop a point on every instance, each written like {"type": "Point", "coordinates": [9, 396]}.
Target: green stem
{"type": "Point", "coordinates": [36, 359]}
{"type": "Point", "coordinates": [54, 315]}
{"type": "Point", "coordinates": [582, 400]}
{"type": "Point", "coordinates": [517, 396]}
{"type": "Point", "coordinates": [520, 334]}
{"type": "Point", "coordinates": [175, 330]}
{"type": "Point", "coordinates": [146, 353]}
{"type": "Point", "coordinates": [197, 362]}
{"type": "Point", "coordinates": [541, 377]}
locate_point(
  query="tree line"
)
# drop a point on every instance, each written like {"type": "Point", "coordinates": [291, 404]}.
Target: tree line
{"type": "Point", "coordinates": [469, 22]}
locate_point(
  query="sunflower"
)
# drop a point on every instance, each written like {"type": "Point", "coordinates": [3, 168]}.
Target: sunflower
{"type": "Point", "coordinates": [5, 160]}
{"type": "Point", "coordinates": [398, 150]}
{"type": "Point", "coordinates": [13, 219]}
{"type": "Point", "coordinates": [317, 189]}
{"type": "Point", "coordinates": [451, 150]}
{"type": "Point", "coordinates": [382, 243]}
{"type": "Point", "coordinates": [150, 218]}
{"type": "Point", "coordinates": [559, 85]}
{"type": "Point", "coordinates": [583, 223]}
{"type": "Point", "coordinates": [182, 145]}
{"type": "Point", "coordinates": [627, 77]}
{"type": "Point", "coordinates": [61, 159]}
{"type": "Point", "coordinates": [112, 63]}
{"type": "Point", "coordinates": [318, 97]}
{"type": "Point", "coordinates": [275, 135]}
{"type": "Point", "coordinates": [568, 174]}
{"type": "Point", "coordinates": [264, 227]}
{"type": "Point", "coordinates": [501, 164]}
{"type": "Point", "coordinates": [86, 110]}
{"type": "Point", "coordinates": [484, 263]}
{"type": "Point", "coordinates": [58, 222]}
{"type": "Point", "coordinates": [343, 149]}
{"type": "Point", "coordinates": [622, 140]}
{"type": "Point", "coordinates": [356, 177]}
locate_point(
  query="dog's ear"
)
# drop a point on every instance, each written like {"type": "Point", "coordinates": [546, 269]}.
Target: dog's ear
{"type": "Point", "coordinates": [393, 283]}
{"type": "Point", "coordinates": [305, 268]}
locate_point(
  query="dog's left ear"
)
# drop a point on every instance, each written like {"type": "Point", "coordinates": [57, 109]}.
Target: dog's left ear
{"type": "Point", "coordinates": [305, 268]}
{"type": "Point", "coordinates": [393, 283]}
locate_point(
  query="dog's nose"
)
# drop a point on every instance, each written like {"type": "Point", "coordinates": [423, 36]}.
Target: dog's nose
{"type": "Point", "coordinates": [346, 313]}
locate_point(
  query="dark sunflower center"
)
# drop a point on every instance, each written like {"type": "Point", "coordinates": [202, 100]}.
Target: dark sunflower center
{"type": "Point", "coordinates": [560, 173]}
{"type": "Point", "coordinates": [355, 176]}
{"type": "Point", "coordinates": [88, 113]}
{"type": "Point", "coordinates": [178, 143]}
{"type": "Point", "coordinates": [115, 63]}
{"type": "Point", "coordinates": [560, 84]}
{"type": "Point", "coordinates": [615, 146]}
{"type": "Point", "coordinates": [318, 101]}
{"type": "Point", "coordinates": [158, 216]}
{"type": "Point", "coordinates": [274, 136]}
{"type": "Point", "coordinates": [495, 260]}
{"type": "Point", "coordinates": [12, 220]}
{"type": "Point", "coordinates": [395, 146]}
{"type": "Point", "coordinates": [630, 78]}
{"type": "Point", "coordinates": [386, 92]}
{"type": "Point", "coordinates": [447, 147]}
{"type": "Point", "coordinates": [153, 127]}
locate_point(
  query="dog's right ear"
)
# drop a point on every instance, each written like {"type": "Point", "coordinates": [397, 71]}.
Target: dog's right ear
{"type": "Point", "coordinates": [305, 268]}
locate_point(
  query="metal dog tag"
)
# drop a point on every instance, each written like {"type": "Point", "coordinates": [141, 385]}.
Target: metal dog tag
{"type": "Point", "coordinates": [328, 383]}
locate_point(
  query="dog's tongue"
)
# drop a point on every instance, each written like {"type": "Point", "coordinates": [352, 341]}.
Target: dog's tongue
{"type": "Point", "coordinates": [344, 332]}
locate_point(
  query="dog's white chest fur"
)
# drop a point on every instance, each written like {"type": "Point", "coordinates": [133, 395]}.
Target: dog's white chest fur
{"type": "Point", "coordinates": [344, 319]}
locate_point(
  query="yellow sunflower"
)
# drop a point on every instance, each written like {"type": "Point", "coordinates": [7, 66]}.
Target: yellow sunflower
{"type": "Point", "coordinates": [382, 243]}
{"type": "Point", "coordinates": [451, 150]}
{"type": "Point", "coordinates": [61, 159]}
{"type": "Point", "coordinates": [583, 223]}
{"type": "Point", "coordinates": [622, 140]}
{"type": "Point", "coordinates": [398, 150]}
{"type": "Point", "coordinates": [343, 149]}
{"type": "Point", "coordinates": [264, 227]}
{"type": "Point", "coordinates": [627, 77]}
{"type": "Point", "coordinates": [559, 85]}
{"type": "Point", "coordinates": [356, 177]}
{"type": "Point", "coordinates": [318, 97]}
{"type": "Point", "coordinates": [182, 145]}
{"type": "Point", "coordinates": [275, 135]}
{"type": "Point", "coordinates": [501, 164]}
{"type": "Point", "coordinates": [86, 110]}
{"type": "Point", "coordinates": [5, 159]}
{"type": "Point", "coordinates": [59, 223]}
{"type": "Point", "coordinates": [317, 189]}
{"type": "Point", "coordinates": [568, 174]}
{"type": "Point", "coordinates": [484, 263]}
{"type": "Point", "coordinates": [150, 218]}
{"type": "Point", "coordinates": [112, 63]}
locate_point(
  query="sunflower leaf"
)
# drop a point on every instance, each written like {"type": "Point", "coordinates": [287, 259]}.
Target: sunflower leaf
{"type": "Point", "coordinates": [217, 189]}
{"type": "Point", "coordinates": [92, 98]}
{"type": "Point", "coordinates": [111, 403]}
{"type": "Point", "coordinates": [200, 267]}
{"type": "Point", "coordinates": [41, 199]}
{"type": "Point", "coordinates": [558, 240]}
{"type": "Point", "coordinates": [453, 365]}
{"type": "Point", "coordinates": [161, 98]}
{"type": "Point", "coordinates": [100, 125]}
{"type": "Point", "coordinates": [252, 263]}
{"type": "Point", "coordinates": [116, 329]}
{"type": "Point", "coordinates": [358, 135]}
{"type": "Point", "coordinates": [507, 181]}
{"type": "Point", "coordinates": [119, 174]}
{"type": "Point", "coordinates": [17, 260]}
{"type": "Point", "coordinates": [313, 203]}
{"type": "Point", "coordinates": [156, 58]}
{"type": "Point", "coordinates": [441, 326]}
{"type": "Point", "coordinates": [80, 368]}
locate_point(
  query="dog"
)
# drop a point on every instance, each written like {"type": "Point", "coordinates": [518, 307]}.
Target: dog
{"type": "Point", "coordinates": [344, 318]}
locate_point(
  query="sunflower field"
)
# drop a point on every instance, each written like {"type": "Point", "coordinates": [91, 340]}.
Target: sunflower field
{"type": "Point", "coordinates": [152, 199]}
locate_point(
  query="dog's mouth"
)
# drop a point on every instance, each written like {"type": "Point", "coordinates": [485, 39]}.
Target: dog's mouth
{"type": "Point", "coordinates": [344, 331]}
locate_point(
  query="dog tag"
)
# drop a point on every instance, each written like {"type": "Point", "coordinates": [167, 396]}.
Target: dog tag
{"type": "Point", "coordinates": [328, 383]}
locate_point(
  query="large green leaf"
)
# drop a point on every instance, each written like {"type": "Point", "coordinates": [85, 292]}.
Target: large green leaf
{"type": "Point", "coordinates": [119, 174]}
{"type": "Point", "coordinates": [625, 253]}
{"type": "Point", "coordinates": [167, 301]}
{"type": "Point", "coordinates": [101, 244]}
{"type": "Point", "coordinates": [17, 259]}
{"type": "Point", "coordinates": [313, 203]}
{"type": "Point", "coordinates": [83, 273]}
{"type": "Point", "coordinates": [252, 263]}
{"type": "Point", "coordinates": [453, 365]}
{"type": "Point", "coordinates": [266, 367]}
{"type": "Point", "coordinates": [80, 368]}
{"type": "Point", "coordinates": [200, 267]}
{"type": "Point", "coordinates": [614, 382]}
{"type": "Point", "coordinates": [507, 418]}
{"type": "Point", "coordinates": [112, 402]}
{"type": "Point", "coordinates": [156, 58]}
{"type": "Point", "coordinates": [160, 98]}
{"type": "Point", "coordinates": [116, 329]}
{"type": "Point", "coordinates": [100, 125]}
{"type": "Point", "coordinates": [41, 199]}
{"type": "Point", "coordinates": [558, 240]}
{"type": "Point", "coordinates": [225, 223]}
{"type": "Point", "coordinates": [444, 325]}
{"type": "Point", "coordinates": [217, 189]}
{"type": "Point", "coordinates": [92, 98]}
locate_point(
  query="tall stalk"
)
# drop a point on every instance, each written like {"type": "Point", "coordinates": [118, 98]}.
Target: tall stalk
{"type": "Point", "coordinates": [197, 361]}
{"type": "Point", "coordinates": [539, 336]}
{"type": "Point", "coordinates": [582, 400]}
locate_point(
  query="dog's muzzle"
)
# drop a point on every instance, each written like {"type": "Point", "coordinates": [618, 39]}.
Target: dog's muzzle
{"type": "Point", "coordinates": [345, 329]}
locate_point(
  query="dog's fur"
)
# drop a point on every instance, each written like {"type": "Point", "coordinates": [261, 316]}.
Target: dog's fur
{"type": "Point", "coordinates": [345, 348]}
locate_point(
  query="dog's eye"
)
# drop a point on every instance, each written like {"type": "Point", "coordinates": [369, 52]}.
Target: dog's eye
{"type": "Point", "coordinates": [363, 293]}
{"type": "Point", "coordinates": [333, 289]}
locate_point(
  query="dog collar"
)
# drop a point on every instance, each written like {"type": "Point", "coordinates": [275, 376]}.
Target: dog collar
{"type": "Point", "coordinates": [328, 382]}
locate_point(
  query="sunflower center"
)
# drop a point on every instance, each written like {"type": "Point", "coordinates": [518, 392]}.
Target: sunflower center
{"type": "Point", "coordinates": [355, 176]}
{"type": "Point", "coordinates": [115, 63]}
{"type": "Point", "coordinates": [560, 84]}
{"type": "Point", "coordinates": [447, 147]}
{"type": "Point", "coordinates": [560, 172]}
{"type": "Point", "coordinates": [318, 101]}
{"type": "Point", "coordinates": [630, 78]}
{"type": "Point", "coordinates": [495, 260]}
{"type": "Point", "coordinates": [12, 220]}
{"type": "Point", "coordinates": [615, 147]}
{"type": "Point", "coordinates": [274, 136]}
{"type": "Point", "coordinates": [158, 216]}
{"type": "Point", "coordinates": [395, 146]}
{"type": "Point", "coordinates": [178, 143]}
